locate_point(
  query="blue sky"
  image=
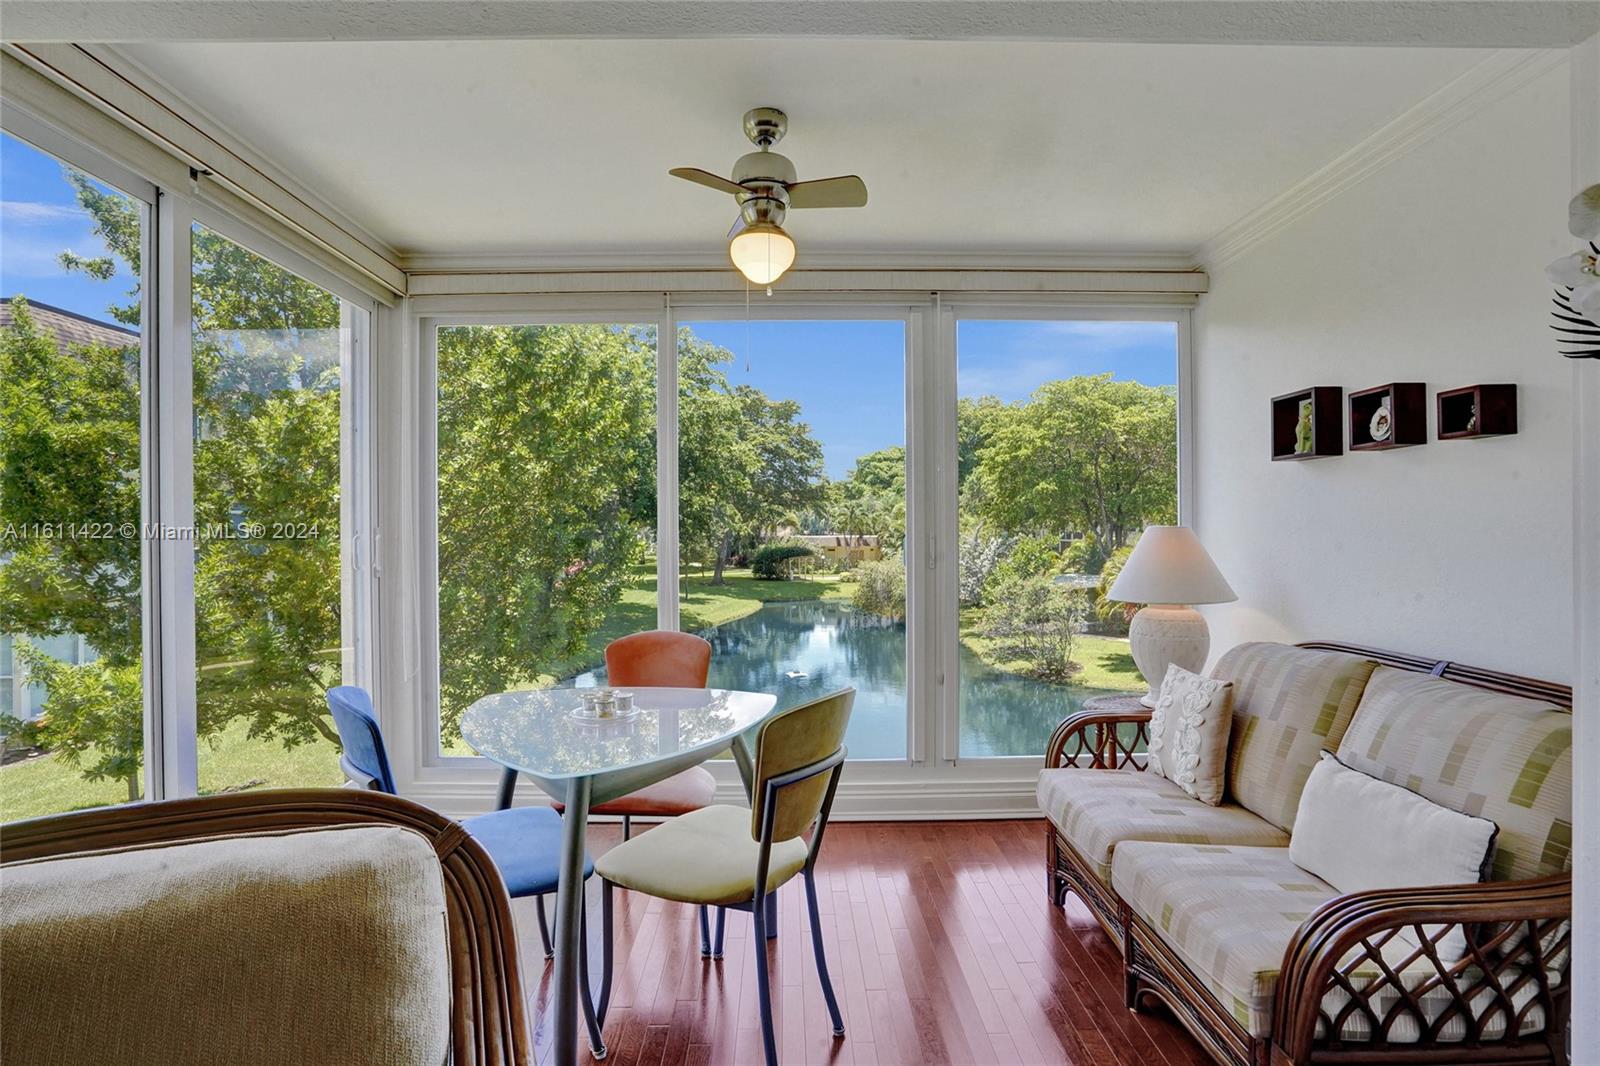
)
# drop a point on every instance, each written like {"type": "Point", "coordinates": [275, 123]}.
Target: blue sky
{"type": "Point", "coordinates": [850, 376]}
{"type": "Point", "coordinates": [39, 219]}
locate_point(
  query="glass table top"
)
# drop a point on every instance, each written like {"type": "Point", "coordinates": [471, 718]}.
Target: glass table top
{"type": "Point", "coordinates": [537, 732]}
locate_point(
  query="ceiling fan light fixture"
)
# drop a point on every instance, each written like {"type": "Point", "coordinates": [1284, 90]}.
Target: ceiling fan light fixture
{"type": "Point", "coordinates": [762, 251]}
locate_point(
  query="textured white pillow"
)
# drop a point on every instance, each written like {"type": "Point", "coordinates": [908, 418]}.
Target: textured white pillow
{"type": "Point", "coordinates": [1358, 833]}
{"type": "Point", "coordinates": [1189, 733]}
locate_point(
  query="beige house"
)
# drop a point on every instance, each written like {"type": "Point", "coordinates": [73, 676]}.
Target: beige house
{"type": "Point", "coordinates": [839, 548]}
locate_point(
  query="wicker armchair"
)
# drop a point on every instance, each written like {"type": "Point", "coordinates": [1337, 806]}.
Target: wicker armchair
{"type": "Point", "coordinates": [487, 1026]}
{"type": "Point", "coordinates": [1351, 990]}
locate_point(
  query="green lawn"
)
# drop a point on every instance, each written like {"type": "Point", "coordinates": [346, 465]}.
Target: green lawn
{"type": "Point", "coordinates": [229, 762]}
{"type": "Point", "coordinates": [1104, 662]}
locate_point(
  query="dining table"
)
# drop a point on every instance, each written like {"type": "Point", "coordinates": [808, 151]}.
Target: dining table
{"type": "Point", "coordinates": [583, 760]}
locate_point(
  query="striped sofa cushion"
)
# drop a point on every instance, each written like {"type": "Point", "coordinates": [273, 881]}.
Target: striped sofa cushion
{"type": "Point", "coordinates": [1498, 757]}
{"type": "Point", "coordinates": [1098, 809]}
{"type": "Point", "coordinates": [1230, 912]}
{"type": "Point", "coordinates": [1288, 705]}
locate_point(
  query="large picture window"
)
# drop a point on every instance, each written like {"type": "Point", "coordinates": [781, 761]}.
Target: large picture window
{"type": "Point", "coordinates": [792, 512]}
{"type": "Point", "coordinates": [547, 505]}
{"type": "Point", "coordinates": [1067, 443]}
{"type": "Point", "coordinates": [71, 580]}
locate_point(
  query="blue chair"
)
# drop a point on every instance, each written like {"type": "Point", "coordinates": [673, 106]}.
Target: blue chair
{"type": "Point", "coordinates": [524, 842]}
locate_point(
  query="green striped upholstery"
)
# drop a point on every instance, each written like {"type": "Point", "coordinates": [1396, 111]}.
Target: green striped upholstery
{"type": "Point", "coordinates": [1288, 705]}
{"type": "Point", "coordinates": [1230, 912]}
{"type": "Point", "coordinates": [1096, 810]}
{"type": "Point", "coordinates": [1498, 757]}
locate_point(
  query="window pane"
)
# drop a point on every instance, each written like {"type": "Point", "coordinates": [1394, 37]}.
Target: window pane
{"type": "Point", "coordinates": [71, 682]}
{"type": "Point", "coordinates": [269, 357]}
{"type": "Point", "coordinates": [792, 513]}
{"type": "Point", "coordinates": [1068, 445]}
{"type": "Point", "coordinates": [547, 508]}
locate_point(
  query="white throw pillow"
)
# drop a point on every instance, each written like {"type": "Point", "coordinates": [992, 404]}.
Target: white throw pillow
{"type": "Point", "coordinates": [1189, 733]}
{"type": "Point", "coordinates": [1358, 833]}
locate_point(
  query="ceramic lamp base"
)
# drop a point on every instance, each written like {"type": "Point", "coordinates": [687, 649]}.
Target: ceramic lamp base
{"type": "Point", "coordinates": [1162, 634]}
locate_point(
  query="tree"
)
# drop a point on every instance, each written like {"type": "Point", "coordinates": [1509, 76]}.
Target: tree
{"type": "Point", "coordinates": [745, 461]}
{"type": "Point", "coordinates": [546, 454]}
{"type": "Point", "coordinates": [69, 452]}
{"type": "Point", "coordinates": [1088, 453]}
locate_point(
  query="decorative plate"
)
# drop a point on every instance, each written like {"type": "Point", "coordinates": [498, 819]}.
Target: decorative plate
{"type": "Point", "coordinates": [1381, 423]}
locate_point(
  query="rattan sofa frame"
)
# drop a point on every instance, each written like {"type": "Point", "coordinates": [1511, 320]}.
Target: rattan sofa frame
{"type": "Point", "coordinates": [1519, 932]}
{"type": "Point", "coordinates": [487, 1022]}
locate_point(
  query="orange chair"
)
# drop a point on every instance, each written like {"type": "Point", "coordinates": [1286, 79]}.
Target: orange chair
{"type": "Point", "coordinates": [656, 659]}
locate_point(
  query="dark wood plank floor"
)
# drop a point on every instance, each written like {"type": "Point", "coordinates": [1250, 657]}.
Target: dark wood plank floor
{"type": "Point", "coordinates": [943, 949]}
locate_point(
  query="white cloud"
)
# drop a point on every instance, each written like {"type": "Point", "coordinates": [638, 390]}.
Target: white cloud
{"type": "Point", "coordinates": [33, 213]}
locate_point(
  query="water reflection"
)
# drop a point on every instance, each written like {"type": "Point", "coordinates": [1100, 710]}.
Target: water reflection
{"type": "Point", "coordinates": [800, 651]}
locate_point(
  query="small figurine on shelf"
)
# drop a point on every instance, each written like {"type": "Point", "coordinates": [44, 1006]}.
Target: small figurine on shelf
{"type": "Point", "coordinates": [1472, 418]}
{"type": "Point", "coordinates": [1302, 430]}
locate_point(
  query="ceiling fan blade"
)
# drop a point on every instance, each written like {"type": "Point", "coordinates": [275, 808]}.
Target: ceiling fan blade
{"type": "Point", "coordinates": [706, 178]}
{"type": "Point", "coordinates": [844, 191]}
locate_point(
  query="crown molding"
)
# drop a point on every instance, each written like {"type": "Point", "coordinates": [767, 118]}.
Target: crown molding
{"type": "Point", "coordinates": [1499, 75]}
{"type": "Point", "coordinates": [701, 259]}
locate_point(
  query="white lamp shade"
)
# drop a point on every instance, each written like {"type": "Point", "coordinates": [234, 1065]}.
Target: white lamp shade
{"type": "Point", "coordinates": [1169, 565]}
{"type": "Point", "coordinates": [762, 252]}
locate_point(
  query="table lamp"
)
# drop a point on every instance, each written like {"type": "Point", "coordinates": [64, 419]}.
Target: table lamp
{"type": "Point", "coordinates": [1168, 570]}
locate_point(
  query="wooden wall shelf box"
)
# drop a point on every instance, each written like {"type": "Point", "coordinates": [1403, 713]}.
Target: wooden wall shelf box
{"type": "Point", "coordinates": [1327, 423]}
{"type": "Point", "coordinates": [1408, 416]}
{"type": "Point", "coordinates": [1494, 405]}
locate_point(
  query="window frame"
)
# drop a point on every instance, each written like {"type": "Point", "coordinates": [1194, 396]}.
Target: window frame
{"type": "Point", "coordinates": [933, 780]}
{"type": "Point", "coordinates": [168, 214]}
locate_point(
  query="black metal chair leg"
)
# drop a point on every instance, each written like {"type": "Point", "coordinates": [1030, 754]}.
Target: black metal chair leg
{"type": "Point", "coordinates": [722, 925]}
{"type": "Point", "coordinates": [763, 983]}
{"type": "Point", "coordinates": [822, 959]}
{"type": "Point", "coordinates": [544, 928]}
{"type": "Point", "coordinates": [705, 932]}
{"type": "Point", "coordinates": [627, 827]}
{"type": "Point", "coordinates": [597, 1044]}
{"type": "Point", "coordinates": [606, 951]}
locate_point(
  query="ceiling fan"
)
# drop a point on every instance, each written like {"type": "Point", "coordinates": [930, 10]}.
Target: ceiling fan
{"type": "Point", "coordinates": [764, 184]}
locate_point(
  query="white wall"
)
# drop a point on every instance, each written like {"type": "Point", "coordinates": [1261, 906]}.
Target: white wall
{"type": "Point", "coordinates": [1430, 269]}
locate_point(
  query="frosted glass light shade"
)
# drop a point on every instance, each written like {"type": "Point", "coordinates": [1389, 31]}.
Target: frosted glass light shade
{"type": "Point", "coordinates": [762, 252]}
{"type": "Point", "coordinates": [1170, 565]}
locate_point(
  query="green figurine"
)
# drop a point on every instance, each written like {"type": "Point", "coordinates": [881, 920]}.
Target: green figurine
{"type": "Point", "coordinates": [1302, 430]}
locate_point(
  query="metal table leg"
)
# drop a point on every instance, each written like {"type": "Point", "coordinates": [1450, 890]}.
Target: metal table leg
{"type": "Point", "coordinates": [569, 920]}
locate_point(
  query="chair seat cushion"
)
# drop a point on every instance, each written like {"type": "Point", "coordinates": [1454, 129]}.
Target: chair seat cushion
{"type": "Point", "coordinates": [1230, 912]}
{"type": "Point", "coordinates": [706, 856]}
{"type": "Point", "coordinates": [1096, 810]}
{"type": "Point", "coordinates": [678, 794]}
{"type": "Point", "coordinates": [328, 946]}
{"type": "Point", "coordinates": [525, 844]}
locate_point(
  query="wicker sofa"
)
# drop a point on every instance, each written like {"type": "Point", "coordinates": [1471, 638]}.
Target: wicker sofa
{"type": "Point", "coordinates": [1266, 964]}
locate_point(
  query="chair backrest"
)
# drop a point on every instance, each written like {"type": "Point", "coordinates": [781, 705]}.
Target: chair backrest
{"type": "Point", "coordinates": [358, 729]}
{"type": "Point", "coordinates": [658, 658]}
{"type": "Point", "coordinates": [797, 738]}
{"type": "Point", "coordinates": [488, 1023]}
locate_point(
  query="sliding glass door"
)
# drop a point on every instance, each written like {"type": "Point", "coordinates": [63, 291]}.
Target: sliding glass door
{"type": "Point", "coordinates": [1067, 446]}
{"type": "Point", "coordinates": [72, 477]}
{"type": "Point", "coordinates": [546, 490]}
{"type": "Point", "coordinates": [792, 511]}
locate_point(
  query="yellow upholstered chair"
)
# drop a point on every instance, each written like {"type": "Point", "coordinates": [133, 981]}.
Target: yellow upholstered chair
{"type": "Point", "coordinates": [726, 856]}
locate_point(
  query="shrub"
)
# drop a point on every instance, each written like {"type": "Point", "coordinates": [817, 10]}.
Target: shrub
{"type": "Point", "coordinates": [1083, 556]}
{"type": "Point", "coordinates": [881, 587]}
{"type": "Point", "coordinates": [1034, 619]}
{"type": "Point", "coordinates": [771, 562]}
{"type": "Point", "coordinates": [1029, 557]}
{"type": "Point", "coordinates": [1113, 615]}
{"type": "Point", "coordinates": [977, 555]}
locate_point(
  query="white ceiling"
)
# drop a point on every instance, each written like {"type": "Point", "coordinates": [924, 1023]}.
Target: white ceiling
{"type": "Point", "coordinates": [514, 147]}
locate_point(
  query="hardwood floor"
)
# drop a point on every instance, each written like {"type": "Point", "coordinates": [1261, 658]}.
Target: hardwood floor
{"type": "Point", "coordinates": [943, 949]}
